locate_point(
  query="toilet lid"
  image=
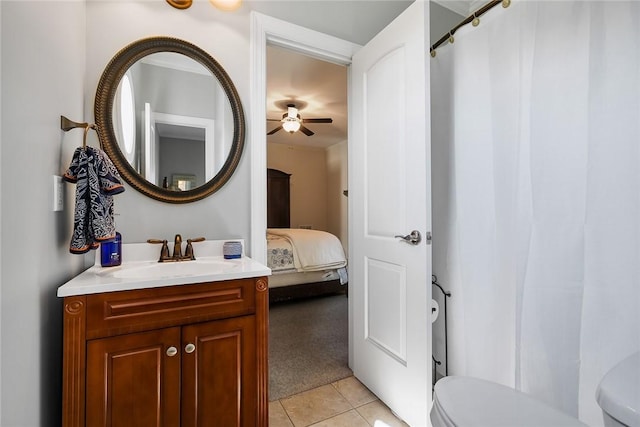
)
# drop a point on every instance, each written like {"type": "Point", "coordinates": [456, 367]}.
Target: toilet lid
{"type": "Point", "coordinates": [619, 391]}
{"type": "Point", "coordinates": [465, 401]}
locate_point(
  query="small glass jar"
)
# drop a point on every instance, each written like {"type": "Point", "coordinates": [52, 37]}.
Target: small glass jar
{"type": "Point", "coordinates": [111, 251]}
{"type": "Point", "coordinates": [232, 250]}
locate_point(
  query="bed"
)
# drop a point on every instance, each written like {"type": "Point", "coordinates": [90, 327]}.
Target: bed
{"type": "Point", "coordinates": [304, 263]}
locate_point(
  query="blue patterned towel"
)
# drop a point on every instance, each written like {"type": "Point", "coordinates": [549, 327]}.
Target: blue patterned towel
{"type": "Point", "coordinates": [97, 180]}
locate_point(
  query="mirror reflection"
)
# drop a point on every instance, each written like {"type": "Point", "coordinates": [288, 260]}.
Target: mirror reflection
{"type": "Point", "coordinates": [173, 121]}
{"type": "Point", "coordinates": [170, 119]}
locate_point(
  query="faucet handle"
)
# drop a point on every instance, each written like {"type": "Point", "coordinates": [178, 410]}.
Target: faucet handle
{"type": "Point", "coordinates": [189, 251]}
{"type": "Point", "coordinates": [164, 251]}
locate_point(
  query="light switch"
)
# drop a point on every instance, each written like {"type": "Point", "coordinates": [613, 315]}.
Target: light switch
{"type": "Point", "coordinates": [58, 194]}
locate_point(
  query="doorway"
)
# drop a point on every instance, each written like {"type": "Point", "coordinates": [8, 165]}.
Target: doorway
{"type": "Point", "coordinates": [310, 161]}
{"type": "Point", "coordinates": [265, 31]}
{"type": "Point", "coordinates": [315, 156]}
{"type": "Point", "coordinates": [269, 31]}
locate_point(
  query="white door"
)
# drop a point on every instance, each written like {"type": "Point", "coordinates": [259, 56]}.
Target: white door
{"type": "Point", "coordinates": [389, 195]}
{"type": "Point", "coordinates": [151, 146]}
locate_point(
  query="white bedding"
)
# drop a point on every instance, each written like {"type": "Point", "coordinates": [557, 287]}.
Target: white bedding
{"type": "Point", "coordinates": [306, 256]}
{"type": "Point", "coordinates": [313, 250]}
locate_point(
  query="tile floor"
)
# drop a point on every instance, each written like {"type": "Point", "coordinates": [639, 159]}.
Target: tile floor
{"type": "Point", "coordinates": [342, 403]}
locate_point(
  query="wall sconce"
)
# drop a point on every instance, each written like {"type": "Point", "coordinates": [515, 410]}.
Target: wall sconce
{"type": "Point", "coordinates": [180, 4]}
{"type": "Point", "coordinates": [226, 5]}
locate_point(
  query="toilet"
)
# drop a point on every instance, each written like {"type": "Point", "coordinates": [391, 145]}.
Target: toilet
{"type": "Point", "coordinates": [619, 393]}
{"type": "Point", "coordinates": [466, 401]}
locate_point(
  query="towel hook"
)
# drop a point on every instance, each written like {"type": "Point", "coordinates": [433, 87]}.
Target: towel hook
{"type": "Point", "coordinates": [86, 131]}
{"type": "Point", "coordinates": [67, 125]}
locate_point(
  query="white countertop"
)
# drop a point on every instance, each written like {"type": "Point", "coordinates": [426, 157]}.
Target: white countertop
{"type": "Point", "coordinates": [140, 269]}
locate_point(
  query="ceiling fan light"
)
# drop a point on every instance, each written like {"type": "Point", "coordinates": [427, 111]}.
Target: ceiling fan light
{"type": "Point", "coordinates": [292, 112]}
{"type": "Point", "coordinates": [226, 5]}
{"type": "Point", "coordinates": [291, 126]}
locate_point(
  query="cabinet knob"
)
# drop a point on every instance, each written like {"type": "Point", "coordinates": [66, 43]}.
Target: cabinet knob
{"type": "Point", "coordinates": [190, 348]}
{"type": "Point", "coordinates": [172, 351]}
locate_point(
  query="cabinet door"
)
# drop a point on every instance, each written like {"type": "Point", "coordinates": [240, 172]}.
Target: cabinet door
{"type": "Point", "coordinates": [219, 377]}
{"type": "Point", "coordinates": [132, 380]}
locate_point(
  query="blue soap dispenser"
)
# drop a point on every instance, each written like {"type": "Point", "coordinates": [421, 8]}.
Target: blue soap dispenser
{"type": "Point", "coordinates": [111, 251]}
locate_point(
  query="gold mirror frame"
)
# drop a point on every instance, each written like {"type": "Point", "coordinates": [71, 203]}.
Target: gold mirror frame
{"type": "Point", "coordinates": [103, 109]}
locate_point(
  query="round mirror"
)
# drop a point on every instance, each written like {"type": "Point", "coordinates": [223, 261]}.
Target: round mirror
{"type": "Point", "coordinates": [170, 119]}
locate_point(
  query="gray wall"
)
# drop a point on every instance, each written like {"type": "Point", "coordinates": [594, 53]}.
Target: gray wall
{"type": "Point", "coordinates": [42, 78]}
{"type": "Point", "coordinates": [226, 214]}
{"type": "Point", "coordinates": [181, 157]}
{"type": "Point", "coordinates": [442, 20]}
{"type": "Point", "coordinates": [177, 92]}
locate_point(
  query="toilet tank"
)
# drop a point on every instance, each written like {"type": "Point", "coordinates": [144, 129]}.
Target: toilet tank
{"type": "Point", "coordinates": [619, 393]}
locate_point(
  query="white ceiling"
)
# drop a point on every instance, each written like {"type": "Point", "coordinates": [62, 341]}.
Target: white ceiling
{"type": "Point", "coordinates": [462, 7]}
{"type": "Point", "coordinates": [318, 88]}
{"type": "Point", "coordinates": [354, 20]}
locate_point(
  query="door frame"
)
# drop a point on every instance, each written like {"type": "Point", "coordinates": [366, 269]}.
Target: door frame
{"type": "Point", "coordinates": [266, 30]}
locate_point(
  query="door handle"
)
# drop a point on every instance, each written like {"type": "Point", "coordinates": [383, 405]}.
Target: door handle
{"type": "Point", "coordinates": [413, 238]}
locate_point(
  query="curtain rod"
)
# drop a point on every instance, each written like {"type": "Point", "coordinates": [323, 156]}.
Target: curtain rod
{"type": "Point", "coordinates": [473, 18]}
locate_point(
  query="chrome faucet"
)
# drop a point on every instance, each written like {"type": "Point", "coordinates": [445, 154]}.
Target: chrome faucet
{"type": "Point", "coordinates": [177, 249]}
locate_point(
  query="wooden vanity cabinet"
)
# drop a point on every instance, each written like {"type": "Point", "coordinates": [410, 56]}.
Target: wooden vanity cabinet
{"type": "Point", "coordinates": [188, 355]}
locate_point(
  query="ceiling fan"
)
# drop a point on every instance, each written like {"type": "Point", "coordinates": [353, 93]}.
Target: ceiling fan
{"type": "Point", "coordinates": [292, 122]}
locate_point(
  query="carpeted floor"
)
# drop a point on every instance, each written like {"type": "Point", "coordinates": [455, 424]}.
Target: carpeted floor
{"type": "Point", "coordinates": [308, 344]}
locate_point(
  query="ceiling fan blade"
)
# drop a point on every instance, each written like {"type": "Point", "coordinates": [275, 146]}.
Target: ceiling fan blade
{"type": "Point", "coordinates": [274, 120]}
{"type": "Point", "coordinates": [275, 130]}
{"type": "Point", "coordinates": [326, 120]}
{"type": "Point", "coordinates": [306, 130]}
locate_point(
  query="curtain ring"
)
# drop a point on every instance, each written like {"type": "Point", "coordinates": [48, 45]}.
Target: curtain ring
{"type": "Point", "coordinates": [433, 53]}
{"type": "Point", "coordinates": [506, 3]}
{"type": "Point", "coordinates": [476, 20]}
{"type": "Point", "coordinates": [451, 39]}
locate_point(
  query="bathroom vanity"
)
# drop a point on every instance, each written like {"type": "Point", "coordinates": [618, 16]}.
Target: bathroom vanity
{"type": "Point", "coordinates": [167, 344]}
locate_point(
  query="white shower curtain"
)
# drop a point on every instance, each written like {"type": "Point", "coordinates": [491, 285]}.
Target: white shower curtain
{"type": "Point", "coordinates": [536, 196]}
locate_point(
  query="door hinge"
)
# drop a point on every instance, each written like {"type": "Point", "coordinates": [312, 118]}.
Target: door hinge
{"type": "Point", "coordinates": [428, 237]}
